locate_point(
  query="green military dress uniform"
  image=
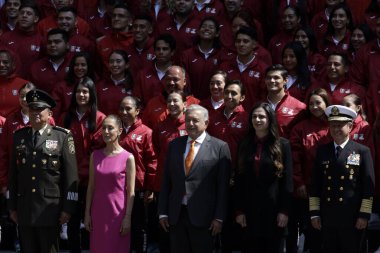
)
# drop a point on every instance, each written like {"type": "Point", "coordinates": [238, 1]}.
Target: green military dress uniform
{"type": "Point", "coordinates": [43, 183]}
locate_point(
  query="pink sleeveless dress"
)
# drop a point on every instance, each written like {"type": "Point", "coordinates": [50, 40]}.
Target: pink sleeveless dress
{"type": "Point", "coordinates": [109, 204]}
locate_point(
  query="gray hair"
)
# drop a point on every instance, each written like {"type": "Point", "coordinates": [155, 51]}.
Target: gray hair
{"type": "Point", "coordinates": [199, 108]}
{"type": "Point", "coordinates": [183, 71]}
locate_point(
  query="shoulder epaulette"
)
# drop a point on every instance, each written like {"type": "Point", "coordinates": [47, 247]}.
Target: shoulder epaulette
{"type": "Point", "coordinates": [61, 129]}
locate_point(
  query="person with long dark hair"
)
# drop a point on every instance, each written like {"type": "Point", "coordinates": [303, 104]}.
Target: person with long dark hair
{"type": "Point", "coordinates": [84, 121]}
{"type": "Point", "coordinates": [337, 37]}
{"type": "Point", "coordinates": [294, 60]}
{"type": "Point", "coordinates": [81, 65]}
{"type": "Point", "coordinates": [316, 61]}
{"type": "Point", "coordinates": [360, 36]}
{"type": "Point", "coordinates": [117, 85]}
{"type": "Point", "coordinates": [290, 22]}
{"type": "Point", "coordinates": [263, 183]}
{"type": "Point", "coordinates": [361, 131]}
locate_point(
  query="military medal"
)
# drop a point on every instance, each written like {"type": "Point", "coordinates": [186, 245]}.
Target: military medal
{"type": "Point", "coordinates": [51, 144]}
{"type": "Point", "coordinates": [353, 159]}
{"type": "Point", "coordinates": [351, 177]}
{"type": "Point", "coordinates": [351, 171]}
{"type": "Point", "coordinates": [44, 161]}
{"type": "Point", "coordinates": [54, 163]}
{"type": "Point", "coordinates": [23, 161]}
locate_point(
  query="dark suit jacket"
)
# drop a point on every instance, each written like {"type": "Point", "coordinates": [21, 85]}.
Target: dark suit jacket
{"type": "Point", "coordinates": [43, 179]}
{"type": "Point", "coordinates": [206, 184]}
{"type": "Point", "coordinates": [261, 196]}
{"type": "Point", "coordinates": [342, 189]}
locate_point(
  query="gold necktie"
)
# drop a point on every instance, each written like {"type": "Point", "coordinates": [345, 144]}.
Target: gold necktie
{"type": "Point", "coordinates": [190, 157]}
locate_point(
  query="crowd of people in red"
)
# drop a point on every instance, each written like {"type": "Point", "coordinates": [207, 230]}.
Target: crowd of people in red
{"type": "Point", "coordinates": [149, 59]}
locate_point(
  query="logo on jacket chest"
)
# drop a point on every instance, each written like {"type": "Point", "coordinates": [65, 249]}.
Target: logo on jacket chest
{"type": "Point", "coordinates": [34, 48]}
{"type": "Point", "coordinates": [288, 111]}
{"type": "Point", "coordinates": [235, 124]}
{"type": "Point", "coordinates": [190, 30]}
{"type": "Point", "coordinates": [345, 91]}
{"type": "Point", "coordinates": [210, 10]}
{"type": "Point", "coordinates": [358, 137]}
{"type": "Point", "coordinates": [14, 92]}
{"type": "Point", "coordinates": [254, 74]}
{"type": "Point", "coordinates": [136, 137]}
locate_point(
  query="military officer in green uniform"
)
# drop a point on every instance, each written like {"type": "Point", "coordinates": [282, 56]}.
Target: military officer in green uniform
{"type": "Point", "coordinates": [342, 186]}
{"type": "Point", "coordinates": [43, 178]}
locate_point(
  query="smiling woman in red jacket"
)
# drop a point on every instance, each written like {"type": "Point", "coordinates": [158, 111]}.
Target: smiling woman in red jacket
{"type": "Point", "coordinates": [136, 138]}
{"type": "Point", "coordinates": [295, 62]}
{"type": "Point", "coordinates": [84, 121]}
{"type": "Point", "coordinates": [305, 138]}
{"type": "Point", "coordinates": [361, 131]}
{"type": "Point", "coordinates": [337, 37]}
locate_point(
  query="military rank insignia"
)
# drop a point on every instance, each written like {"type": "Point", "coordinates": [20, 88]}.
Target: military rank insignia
{"type": "Point", "coordinates": [71, 146]}
{"type": "Point", "coordinates": [353, 159]}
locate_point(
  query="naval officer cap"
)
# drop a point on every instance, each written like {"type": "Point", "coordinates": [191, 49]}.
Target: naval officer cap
{"type": "Point", "coordinates": [39, 99]}
{"type": "Point", "coordinates": [340, 113]}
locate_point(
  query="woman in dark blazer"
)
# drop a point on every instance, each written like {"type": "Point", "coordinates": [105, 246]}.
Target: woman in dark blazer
{"type": "Point", "coordinates": [263, 182]}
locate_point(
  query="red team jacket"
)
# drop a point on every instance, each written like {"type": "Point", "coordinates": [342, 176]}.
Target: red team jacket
{"type": "Point", "coordinates": [138, 141]}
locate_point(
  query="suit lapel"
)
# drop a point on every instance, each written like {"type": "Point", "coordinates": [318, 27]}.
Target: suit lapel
{"type": "Point", "coordinates": [202, 153]}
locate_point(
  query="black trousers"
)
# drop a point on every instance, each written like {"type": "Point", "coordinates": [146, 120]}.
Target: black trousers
{"type": "Point", "coordinates": [300, 222]}
{"type": "Point", "coordinates": [186, 238]}
{"type": "Point", "coordinates": [262, 244]}
{"type": "Point", "coordinates": [139, 235]}
{"type": "Point", "coordinates": [76, 237]}
{"type": "Point", "coordinates": [39, 239]}
{"type": "Point", "coordinates": [342, 240]}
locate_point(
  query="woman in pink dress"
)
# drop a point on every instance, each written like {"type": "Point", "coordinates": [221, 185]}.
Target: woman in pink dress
{"type": "Point", "coordinates": [110, 193]}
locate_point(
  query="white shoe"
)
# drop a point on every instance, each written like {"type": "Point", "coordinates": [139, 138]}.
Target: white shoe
{"type": "Point", "coordinates": [63, 233]}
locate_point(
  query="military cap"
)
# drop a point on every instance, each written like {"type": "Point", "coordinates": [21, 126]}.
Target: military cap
{"type": "Point", "coordinates": [39, 99]}
{"type": "Point", "coordinates": [340, 113]}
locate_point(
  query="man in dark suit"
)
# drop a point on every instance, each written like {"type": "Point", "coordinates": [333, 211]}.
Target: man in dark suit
{"type": "Point", "coordinates": [193, 196]}
{"type": "Point", "coordinates": [342, 186]}
{"type": "Point", "coordinates": [43, 177]}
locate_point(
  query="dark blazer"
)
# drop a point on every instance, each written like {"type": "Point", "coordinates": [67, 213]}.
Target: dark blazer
{"type": "Point", "coordinates": [342, 189]}
{"type": "Point", "coordinates": [43, 179]}
{"type": "Point", "coordinates": [206, 184]}
{"type": "Point", "coordinates": [261, 196]}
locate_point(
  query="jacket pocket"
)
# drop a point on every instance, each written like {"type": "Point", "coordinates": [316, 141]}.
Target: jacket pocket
{"type": "Point", "coordinates": [52, 193]}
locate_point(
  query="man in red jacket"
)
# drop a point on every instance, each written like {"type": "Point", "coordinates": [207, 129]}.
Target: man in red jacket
{"type": "Point", "coordinates": [336, 81]}
{"type": "Point", "coordinates": [246, 67]}
{"type": "Point", "coordinates": [50, 22]}
{"type": "Point", "coordinates": [24, 39]}
{"type": "Point", "coordinates": [51, 69]}
{"type": "Point", "coordinates": [140, 53]}
{"type": "Point", "coordinates": [156, 110]}
{"type": "Point", "coordinates": [67, 20]}
{"type": "Point", "coordinates": [10, 84]}
{"type": "Point", "coordinates": [148, 81]}
{"type": "Point", "coordinates": [120, 38]}
{"type": "Point", "coordinates": [289, 110]}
